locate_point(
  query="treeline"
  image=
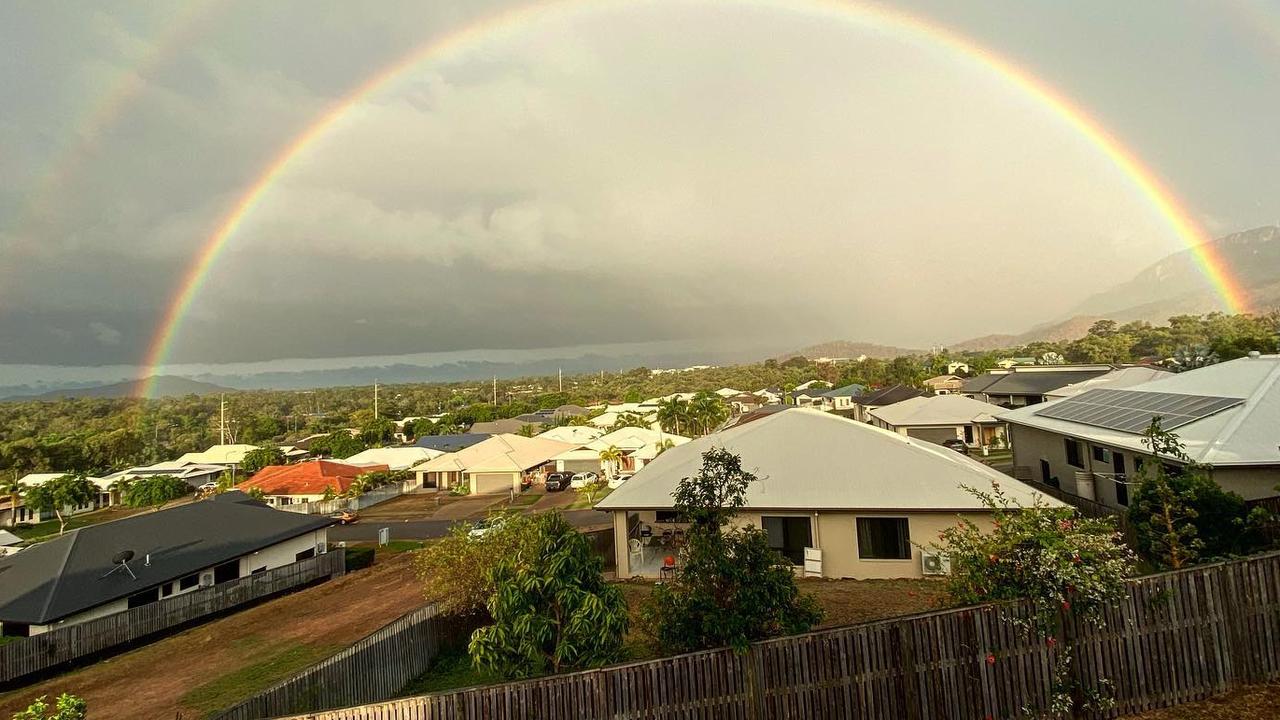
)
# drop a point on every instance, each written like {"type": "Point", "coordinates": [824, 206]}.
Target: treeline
{"type": "Point", "coordinates": [96, 435]}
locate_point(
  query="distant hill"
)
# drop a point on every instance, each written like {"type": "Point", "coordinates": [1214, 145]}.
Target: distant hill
{"type": "Point", "coordinates": [848, 349]}
{"type": "Point", "coordinates": [1176, 285]}
{"type": "Point", "coordinates": [1064, 331]}
{"type": "Point", "coordinates": [165, 386]}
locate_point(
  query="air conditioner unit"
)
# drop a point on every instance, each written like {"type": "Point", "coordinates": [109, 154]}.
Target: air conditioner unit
{"type": "Point", "coordinates": [322, 548]}
{"type": "Point", "coordinates": [935, 564]}
{"type": "Point", "coordinates": [206, 579]}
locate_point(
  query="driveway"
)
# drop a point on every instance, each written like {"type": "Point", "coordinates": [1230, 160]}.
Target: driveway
{"type": "Point", "coordinates": [367, 531]}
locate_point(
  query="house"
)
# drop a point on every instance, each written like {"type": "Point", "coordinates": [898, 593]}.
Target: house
{"type": "Point", "coordinates": [395, 458]}
{"type": "Point", "coordinates": [305, 482]}
{"type": "Point", "coordinates": [225, 455]}
{"type": "Point", "coordinates": [572, 434]}
{"type": "Point", "coordinates": [865, 403]}
{"type": "Point", "coordinates": [77, 576]}
{"type": "Point", "coordinates": [856, 500]}
{"type": "Point", "coordinates": [608, 419]}
{"type": "Point", "coordinates": [637, 445]}
{"type": "Point", "coordinates": [450, 443]}
{"type": "Point", "coordinates": [508, 425]}
{"type": "Point", "coordinates": [1114, 380]}
{"type": "Point", "coordinates": [944, 384]}
{"type": "Point", "coordinates": [815, 397]}
{"type": "Point", "coordinates": [1091, 444]}
{"type": "Point", "coordinates": [1019, 386]}
{"type": "Point", "coordinates": [23, 515]}
{"type": "Point", "coordinates": [813, 384]}
{"type": "Point", "coordinates": [841, 399]}
{"type": "Point", "coordinates": [193, 474]}
{"type": "Point", "coordinates": [726, 392]}
{"type": "Point", "coordinates": [955, 367]}
{"type": "Point", "coordinates": [498, 464]}
{"type": "Point", "coordinates": [769, 395]}
{"type": "Point", "coordinates": [938, 418]}
{"type": "Point", "coordinates": [1011, 362]}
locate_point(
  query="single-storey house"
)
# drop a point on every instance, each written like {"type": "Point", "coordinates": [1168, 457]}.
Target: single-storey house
{"type": "Point", "coordinates": [938, 418]}
{"type": "Point", "coordinates": [1091, 444]}
{"type": "Point", "coordinates": [814, 397]}
{"type": "Point", "coordinates": [193, 474]}
{"type": "Point", "coordinates": [638, 446]}
{"type": "Point", "coordinates": [1115, 380]}
{"type": "Point", "coordinates": [23, 515]}
{"type": "Point", "coordinates": [76, 577]}
{"type": "Point", "coordinates": [944, 384]}
{"type": "Point", "coordinates": [842, 399]}
{"type": "Point", "coordinates": [1027, 385]}
{"type": "Point", "coordinates": [872, 399]}
{"type": "Point", "coordinates": [841, 498]}
{"type": "Point", "coordinates": [498, 464]}
{"type": "Point", "coordinates": [305, 482]}
{"type": "Point", "coordinates": [225, 455]}
{"type": "Point", "coordinates": [395, 458]}
{"type": "Point", "coordinates": [506, 425]}
{"type": "Point", "coordinates": [769, 396]}
{"type": "Point", "coordinates": [572, 434]}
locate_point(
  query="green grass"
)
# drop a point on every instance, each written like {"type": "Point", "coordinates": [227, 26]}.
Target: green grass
{"type": "Point", "coordinates": [582, 503]}
{"type": "Point", "coordinates": [525, 500]}
{"type": "Point", "coordinates": [222, 692]}
{"type": "Point", "coordinates": [450, 670]}
{"type": "Point", "coordinates": [8, 639]}
{"type": "Point", "coordinates": [399, 546]}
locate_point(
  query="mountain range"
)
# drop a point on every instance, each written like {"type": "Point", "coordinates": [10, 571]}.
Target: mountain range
{"type": "Point", "coordinates": [163, 386]}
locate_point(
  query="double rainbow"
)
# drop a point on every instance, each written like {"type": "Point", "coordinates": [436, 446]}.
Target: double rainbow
{"type": "Point", "coordinates": [877, 17]}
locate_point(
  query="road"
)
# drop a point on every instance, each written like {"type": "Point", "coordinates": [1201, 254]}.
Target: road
{"type": "Point", "coordinates": [427, 529]}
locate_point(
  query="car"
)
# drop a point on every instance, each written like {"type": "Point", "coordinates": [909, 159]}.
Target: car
{"type": "Point", "coordinates": [483, 527]}
{"type": "Point", "coordinates": [583, 479]}
{"type": "Point", "coordinates": [345, 517]}
{"type": "Point", "coordinates": [956, 444]}
{"type": "Point", "coordinates": [208, 487]}
{"type": "Point", "coordinates": [558, 481]}
{"type": "Point", "coordinates": [616, 481]}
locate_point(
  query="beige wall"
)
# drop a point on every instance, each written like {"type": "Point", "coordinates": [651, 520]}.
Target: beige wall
{"type": "Point", "coordinates": [836, 536]}
{"type": "Point", "coordinates": [499, 482]}
{"type": "Point", "coordinates": [1250, 483]}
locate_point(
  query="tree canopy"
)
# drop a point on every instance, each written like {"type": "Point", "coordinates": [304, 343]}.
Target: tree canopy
{"type": "Point", "coordinates": [59, 494]}
{"type": "Point", "coordinates": [265, 456]}
{"type": "Point", "coordinates": [154, 491]}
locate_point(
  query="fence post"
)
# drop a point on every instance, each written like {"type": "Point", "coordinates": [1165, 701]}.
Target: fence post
{"type": "Point", "coordinates": [907, 662]}
{"type": "Point", "coordinates": [755, 683]}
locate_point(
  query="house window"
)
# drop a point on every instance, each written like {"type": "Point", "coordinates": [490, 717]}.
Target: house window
{"type": "Point", "coordinates": [1046, 474]}
{"type": "Point", "coordinates": [188, 582]}
{"type": "Point", "coordinates": [13, 629]}
{"type": "Point", "coordinates": [166, 590]}
{"type": "Point", "coordinates": [226, 572]}
{"type": "Point", "coordinates": [968, 434]}
{"type": "Point", "coordinates": [144, 598]}
{"type": "Point", "coordinates": [1073, 453]}
{"type": "Point", "coordinates": [789, 536]}
{"type": "Point", "coordinates": [669, 516]}
{"type": "Point", "coordinates": [304, 555]}
{"type": "Point", "coordinates": [1101, 454]}
{"type": "Point", "coordinates": [884, 539]}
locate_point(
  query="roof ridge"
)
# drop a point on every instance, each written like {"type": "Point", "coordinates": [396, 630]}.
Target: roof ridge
{"type": "Point", "coordinates": [1250, 405]}
{"type": "Point", "coordinates": [57, 578]}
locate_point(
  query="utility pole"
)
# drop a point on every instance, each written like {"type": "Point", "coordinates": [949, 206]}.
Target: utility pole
{"type": "Point", "coordinates": [495, 390]}
{"type": "Point", "coordinates": [222, 419]}
{"type": "Point", "coordinates": [375, 398]}
{"type": "Point", "coordinates": [561, 374]}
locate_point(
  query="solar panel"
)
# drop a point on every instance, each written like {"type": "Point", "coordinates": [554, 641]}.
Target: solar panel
{"type": "Point", "coordinates": [1131, 411]}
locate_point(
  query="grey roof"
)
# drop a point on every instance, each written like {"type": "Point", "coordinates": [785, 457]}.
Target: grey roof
{"type": "Point", "coordinates": [888, 396]}
{"type": "Point", "coordinates": [1032, 383]}
{"type": "Point", "coordinates": [506, 425]}
{"type": "Point", "coordinates": [946, 410]}
{"type": "Point", "coordinates": [451, 443]}
{"type": "Point", "coordinates": [853, 390]}
{"type": "Point", "coordinates": [67, 575]}
{"type": "Point", "coordinates": [979, 383]}
{"type": "Point", "coordinates": [1247, 434]}
{"type": "Point", "coordinates": [811, 460]}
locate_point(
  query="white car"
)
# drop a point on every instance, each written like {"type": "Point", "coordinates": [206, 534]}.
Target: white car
{"type": "Point", "coordinates": [616, 482]}
{"type": "Point", "coordinates": [582, 479]}
{"type": "Point", "coordinates": [483, 527]}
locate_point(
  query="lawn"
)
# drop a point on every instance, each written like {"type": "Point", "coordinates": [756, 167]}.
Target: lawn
{"type": "Point", "coordinates": [49, 528]}
{"type": "Point", "coordinates": [271, 664]}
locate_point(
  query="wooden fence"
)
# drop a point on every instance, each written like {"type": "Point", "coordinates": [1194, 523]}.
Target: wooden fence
{"type": "Point", "coordinates": [375, 668]}
{"type": "Point", "coordinates": [369, 499]}
{"type": "Point", "coordinates": [72, 642]}
{"type": "Point", "coordinates": [1176, 637]}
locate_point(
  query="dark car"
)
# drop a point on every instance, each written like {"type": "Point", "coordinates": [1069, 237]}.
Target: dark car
{"type": "Point", "coordinates": [956, 444]}
{"type": "Point", "coordinates": [557, 481]}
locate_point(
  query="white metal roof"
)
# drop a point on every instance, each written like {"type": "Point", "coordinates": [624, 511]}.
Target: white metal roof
{"type": "Point", "coordinates": [500, 453]}
{"type": "Point", "coordinates": [395, 458]}
{"type": "Point", "coordinates": [810, 460]}
{"type": "Point", "coordinates": [579, 434]}
{"type": "Point", "coordinates": [34, 479]}
{"type": "Point", "coordinates": [219, 455]}
{"type": "Point", "coordinates": [1248, 434]}
{"type": "Point", "coordinates": [937, 410]}
{"type": "Point", "coordinates": [1114, 380]}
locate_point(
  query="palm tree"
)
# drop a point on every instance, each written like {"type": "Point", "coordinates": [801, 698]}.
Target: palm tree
{"type": "Point", "coordinates": [707, 411]}
{"type": "Point", "coordinates": [610, 457]}
{"type": "Point", "coordinates": [12, 488]}
{"type": "Point", "coordinates": [671, 412]}
{"type": "Point", "coordinates": [664, 445]}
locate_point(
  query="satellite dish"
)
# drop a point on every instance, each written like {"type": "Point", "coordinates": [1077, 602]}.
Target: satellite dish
{"type": "Point", "coordinates": [122, 557]}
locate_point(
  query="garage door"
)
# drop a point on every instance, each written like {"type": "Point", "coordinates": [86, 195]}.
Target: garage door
{"type": "Point", "coordinates": [483, 483]}
{"type": "Point", "coordinates": [577, 466]}
{"type": "Point", "coordinates": [933, 435]}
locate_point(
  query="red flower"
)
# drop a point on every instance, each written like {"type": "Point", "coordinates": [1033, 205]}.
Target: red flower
{"type": "Point", "coordinates": [991, 659]}
{"type": "Point", "coordinates": [1066, 605]}
{"type": "Point", "coordinates": [992, 558]}
{"type": "Point", "coordinates": [1052, 641]}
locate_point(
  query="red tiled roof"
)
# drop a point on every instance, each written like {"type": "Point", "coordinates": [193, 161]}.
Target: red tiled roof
{"type": "Point", "coordinates": [307, 478]}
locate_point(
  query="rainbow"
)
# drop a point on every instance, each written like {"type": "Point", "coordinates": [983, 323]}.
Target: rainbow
{"type": "Point", "coordinates": [872, 16]}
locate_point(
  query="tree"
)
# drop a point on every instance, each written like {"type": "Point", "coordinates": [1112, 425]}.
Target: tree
{"type": "Point", "coordinates": [258, 458]}
{"type": "Point", "coordinates": [339, 444]}
{"type": "Point", "coordinates": [731, 587]}
{"type": "Point", "coordinates": [67, 707]}
{"type": "Point", "coordinates": [551, 607]}
{"type": "Point", "coordinates": [377, 432]}
{"type": "Point", "coordinates": [529, 430]}
{"type": "Point", "coordinates": [1191, 358]}
{"type": "Point", "coordinates": [457, 570]}
{"type": "Point", "coordinates": [610, 458]}
{"type": "Point", "coordinates": [672, 412]}
{"type": "Point", "coordinates": [154, 491]}
{"type": "Point", "coordinates": [591, 488]}
{"type": "Point", "coordinates": [14, 489]}
{"type": "Point", "coordinates": [60, 493]}
{"type": "Point", "coordinates": [1179, 513]}
{"type": "Point", "coordinates": [256, 493]}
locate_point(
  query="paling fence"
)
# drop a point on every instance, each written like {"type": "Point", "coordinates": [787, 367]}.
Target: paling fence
{"type": "Point", "coordinates": [1174, 638]}
{"type": "Point", "coordinates": [366, 500]}
{"type": "Point", "coordinates": [66, 644]}
{"type": "Point", "coordinates": [375, 668]}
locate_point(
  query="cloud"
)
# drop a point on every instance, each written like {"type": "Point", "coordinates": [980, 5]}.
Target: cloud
{"type": "Point", "coordinates": [105, 334]}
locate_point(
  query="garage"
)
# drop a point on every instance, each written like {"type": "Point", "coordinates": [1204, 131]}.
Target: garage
{"type": "Point", "coordinates": [933, 434]}
{"type": "Point", "coordinates": [488, 483]}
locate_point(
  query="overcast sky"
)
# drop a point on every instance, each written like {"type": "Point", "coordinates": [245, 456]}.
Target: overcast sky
{"type": "Point", "coordinates": [635, 172]}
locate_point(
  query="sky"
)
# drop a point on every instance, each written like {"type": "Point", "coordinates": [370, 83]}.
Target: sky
{"type": "Point", "coordinates": [626, 172]}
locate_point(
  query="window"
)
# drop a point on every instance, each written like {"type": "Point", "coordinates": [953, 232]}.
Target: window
{"type": "Point", "coordinates": [304, 555]}
{"type": "Point", "coordinates": [789, 536]}
{"type": "Point", "coordinates": [884, 539]}
{"type": "Point", "coordinates": [668, 516]}
{"type": "Point", "coordinates": [226, 572]}
{"type": "Point", "coordinates": [188, 582]}
{"type": "Point", "coordinates": [166, 589]}
{"type": "Point", "coordinates": [968, 434]}
{"type": "Point", "coordinates": [1101, 454]}
{"type": "Point", "coordinates": [1073, 453]}
{"type": "Point", "coordinates": [144, 598]}
{"type": "Point", "coordinates": [13, 629]}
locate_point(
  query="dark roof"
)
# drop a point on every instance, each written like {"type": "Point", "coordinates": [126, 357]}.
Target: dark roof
{"type": "Point", "coordinates": [888, 396]}
{"type": "Point", "coordinates": [505, 425]}
{"type": "Point", "coordinates": [979, 383]}
{"type": "Point", "coordinates": [451, 443]}
{"type": "Point", "coordinates": [1034, 383]}
{"type": "Point", "coordinates": [760, 412]}
{"type": "Point", "coordinates": [853, 390]}
{"type": "Point", "coordinates": [571, 410]}
{"type": "Point", "coordinates": [69, 574]}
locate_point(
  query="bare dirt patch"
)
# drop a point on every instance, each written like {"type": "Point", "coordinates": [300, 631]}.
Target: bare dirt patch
{"type": "Point", "coordinates": [1251, 703]}
{"type": "Point", "coordinates": [204, 664]}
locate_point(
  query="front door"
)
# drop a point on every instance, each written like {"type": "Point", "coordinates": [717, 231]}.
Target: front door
{"type": "Point", "coordinates": [1046, 474]}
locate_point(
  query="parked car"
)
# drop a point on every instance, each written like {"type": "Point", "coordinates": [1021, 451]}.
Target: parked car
{"type": "Point", "coordinates": [956, 444]}
{"type": "Point", "coordinates": [483, 527]}
{"type": "Point", "coordinates": [208, 487]}
{"type": "Point", "coordinates": [558, 481]}
{"type": "Point", "coordinates": [616, 481]}
{"type": "Point", "coordinates": [345, 517]}
{"type": "Point", "coordinates": [582, 479]}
